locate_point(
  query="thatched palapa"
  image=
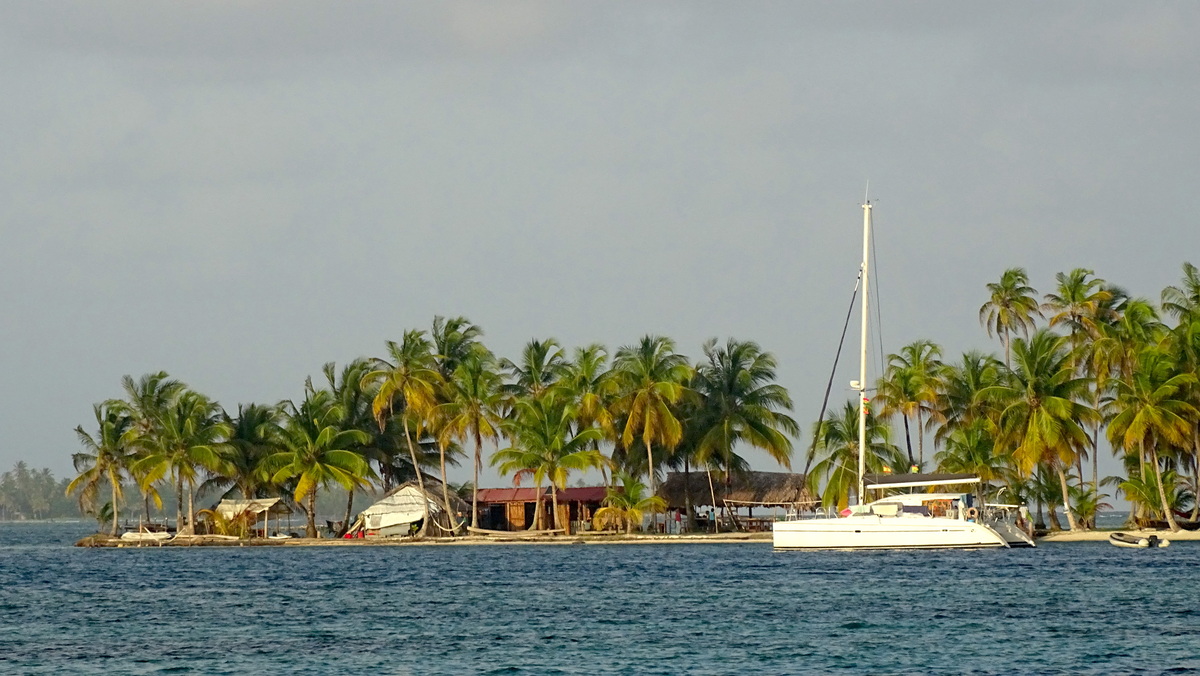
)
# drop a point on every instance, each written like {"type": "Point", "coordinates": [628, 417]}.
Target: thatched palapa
{"type": "Point", "coordinates": [748, 488]}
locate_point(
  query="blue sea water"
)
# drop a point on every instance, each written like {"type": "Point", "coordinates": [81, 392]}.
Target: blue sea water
{"type": "Point", "coordinates": [1086, 608]}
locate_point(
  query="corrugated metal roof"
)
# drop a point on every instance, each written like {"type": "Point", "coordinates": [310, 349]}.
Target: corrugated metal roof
{"type": "Point", "coordinates": [529, 494]}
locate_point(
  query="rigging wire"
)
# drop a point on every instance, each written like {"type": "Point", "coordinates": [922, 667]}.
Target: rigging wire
{"type": "Point", "coordinates": [878, 313]}
{"type": "Point", "coordinates": [812, 450]}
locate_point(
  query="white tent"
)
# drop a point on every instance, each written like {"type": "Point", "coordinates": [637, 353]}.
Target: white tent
{"type": "Point", "coordinates": [394, 514]}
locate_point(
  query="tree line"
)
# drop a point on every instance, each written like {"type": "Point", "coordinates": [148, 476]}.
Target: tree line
{"type": "Point", "coordinates": [1085, 361]}
{"type": "Point", "coordinates": [437, 398]}
{"type": "Point", "coordinates": [27, 493]}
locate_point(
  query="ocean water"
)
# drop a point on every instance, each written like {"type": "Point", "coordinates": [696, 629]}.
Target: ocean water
{"type": "Point", "coordinates": [1086, 608]}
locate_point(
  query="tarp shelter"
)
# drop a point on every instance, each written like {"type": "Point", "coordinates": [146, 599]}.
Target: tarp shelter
{"type": "Point", "coordinates": [260, 508]}
{"type": "Point", "coordinates": [396, 513]}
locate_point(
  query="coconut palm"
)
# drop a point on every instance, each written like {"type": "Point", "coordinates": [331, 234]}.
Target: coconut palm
{"type": "Point", "coordinates": [911, 386]}
{"type": "Point", "coordinates": [317, 451]}
{"type": "Point", "coordinates": [253, 436]}
{"type": "Point", "coordinates": [105, 458]}
{"type": "Point", "coordinates": [546, 446]}
{"type": "Point", "coordinates": [837, 454]}
{"type": "Point", "coordinates": [1011, 307]}
{"type": "Point", "coordinates": [148, 397]}
{"type": "Point", "coordinates": [189, 438]}
{"type": "Point", "coordinates": [741, 404]}
{"type": "Point", "coordinates": [472, 411]}
{"type": "Point", "coordinates": [591, 387]}
{"type": "Point", "coordinates": [542, 364]}
{"type": "Point", "coordinates": [972, 450]}
{"type": "Point", "coordinates": [1151, 408]}
{"type": "Point", "coordinates": [410, 381]}
{"type": "Point", "coordinates": [627, 505]}
{"type": "Point", "coordinates": [1041, 414]}
{"type": "Point", "coordinates": [453, 339]}
{"type": "Point", "coordinates": [355, 393]}
{"type": "Point", "coordinates": [959, 398]}
{"type": "Point", "coordinates": [1183, 301]}
{"type": "Point", "coordinates": [650, 376]}
{"type": "Point", "coordinates": [1076, 304]}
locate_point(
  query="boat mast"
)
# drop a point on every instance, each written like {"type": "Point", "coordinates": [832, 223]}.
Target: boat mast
{"type": "Point", "coordinates": [862, 360]}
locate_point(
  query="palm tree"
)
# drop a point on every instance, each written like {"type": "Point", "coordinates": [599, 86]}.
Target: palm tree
{"type": "Point", "coordinates": [837, 446]}
{"type": "Point", "coordinates": [546, 446]}
{"type": "Point", "coordinates": [453, 340]}
{"type": "Point", "coordinates": [253, 436]}
{"type": "Point", "coordinates": [591, 388]}
{"type": "Point", "coordinates": [651, 376]}
{"type": "Point", "coordinates": [1011, 306]}
{"type": "Point", "coordinates": [627, 505]}
{"type": "Point", "coordinates": [105, 457]}
{"type": "Point", "coordinates": [911, 386]}
{"type": "Point", "coordinates": [542, 365]}
{"type": "Point", "coordinates": [472, 412]}
{"type": "Point", "coordinates": [972, 450]}
{"type": "Point", "coordinates": [1152, 407]}
{"type": "Point", "coordinates": [411, 380]}
{"type": "Point", "coordinates": [1041, 416]}
{"type": "Point", "coordinates": [961, 384]}
{"type": "Point", "coordinates": [149, 396]}
{"type": "Point", "coordinates": [317, 451]}
{"type": "Point", "coordinates": [1076, 304]}
{"type": "Point", "coordinates": [189, 438]}
{"type": "Point", "coordinates": [742, 403]}
{"type": "Point", "coordinates": [355, 393]}
{"type": "Point", "coordinates": [1183, 301]}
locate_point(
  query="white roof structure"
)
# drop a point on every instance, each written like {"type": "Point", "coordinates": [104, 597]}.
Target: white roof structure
{"type": "Point", "coordinates": [406, 505]}
{"type": "Point", "coordinates": [258, 507]}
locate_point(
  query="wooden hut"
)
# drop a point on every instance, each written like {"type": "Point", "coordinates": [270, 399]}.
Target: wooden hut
{"type": "Point", "coordinates": [512, 509]}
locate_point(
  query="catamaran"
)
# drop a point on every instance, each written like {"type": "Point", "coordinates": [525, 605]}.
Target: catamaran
{"type": "Point", "coordinates": [914, 520]}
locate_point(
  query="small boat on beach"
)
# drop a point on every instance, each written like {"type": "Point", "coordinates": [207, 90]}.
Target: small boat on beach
{"type": "Point", "coordinates": [1137, 542]}
{"type": "Point", "coordinates": [144, 536]}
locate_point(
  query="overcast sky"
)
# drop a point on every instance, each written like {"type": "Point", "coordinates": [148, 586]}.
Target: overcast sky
{"type": "Point", "coordinates": [239, 192]}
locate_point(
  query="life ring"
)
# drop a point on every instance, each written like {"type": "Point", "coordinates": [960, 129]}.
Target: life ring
{"type": "Point", "coordinates": [972, 513]}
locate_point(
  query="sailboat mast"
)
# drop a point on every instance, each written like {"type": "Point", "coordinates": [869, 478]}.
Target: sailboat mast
{"type": "Point", "coordinates": [862, 359]}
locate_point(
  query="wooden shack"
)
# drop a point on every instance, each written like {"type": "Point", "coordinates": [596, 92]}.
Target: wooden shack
{"type": "Point", "coordinates": [512, 509]}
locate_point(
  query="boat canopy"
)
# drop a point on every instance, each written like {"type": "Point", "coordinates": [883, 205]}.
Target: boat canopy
{"type": "Point", "coordinates": [883, 481]}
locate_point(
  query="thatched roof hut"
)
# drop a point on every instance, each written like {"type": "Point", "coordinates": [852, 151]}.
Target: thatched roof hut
{"type": "Point", "coordinates": [778, 489]}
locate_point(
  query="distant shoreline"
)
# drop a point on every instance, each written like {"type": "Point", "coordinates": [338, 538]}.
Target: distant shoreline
{"type": "Point", "coordinates": [101, 540]}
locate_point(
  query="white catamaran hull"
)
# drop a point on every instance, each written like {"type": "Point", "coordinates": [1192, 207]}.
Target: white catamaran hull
{"type": "Point", "coordinates": [876, 532]}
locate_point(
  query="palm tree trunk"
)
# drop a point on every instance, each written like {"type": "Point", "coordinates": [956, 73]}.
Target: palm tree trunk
{"type": "Point", "coordinates": [1196, 471]}
{"type": "Point", "coordinates": [687, 494]}
{"type": "Point", "coordinates": [713, 492]}
{"type": "Point", "coordinates": [537, 507]}
{"type": "Point", "coordinates": [310, 528]}
{"type": "Point", "coordinates": [178, 503]}
{"type": "Point", "coordinates": [349, 509]}
{"type": "Point", "coordinates": [475, 480]}
{"type": "Point", "coordinates": [908, 441]}
{"type": "Point", "coordinates": [554, 505]}
{"type": "Point", "coordinates": [1162, 492]}
{"type": "Point", "coordinates": [191, 515]}
{"type": "Point", "coordinates": [113, 481]}
{"type": "Point", "coordinates": [412, 453]}
{"type": "Point", "coordinates": [649, 464]}
{"type": "Point", "coordinates": [446, 491]}
{"type": "Point", "coordinates": [1062, 480]}
{"type": "Point", "coordinates": [920, 441]}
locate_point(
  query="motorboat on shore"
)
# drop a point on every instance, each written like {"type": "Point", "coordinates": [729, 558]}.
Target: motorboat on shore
{"type": "Point", "coordinates": [898, 521]}
{"type": "Point", "coordinates": [1138, 541]}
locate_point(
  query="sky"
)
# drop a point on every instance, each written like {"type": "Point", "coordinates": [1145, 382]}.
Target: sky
{"type": "Point", "coordinates": [239, 192]}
